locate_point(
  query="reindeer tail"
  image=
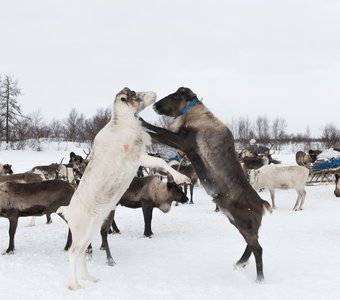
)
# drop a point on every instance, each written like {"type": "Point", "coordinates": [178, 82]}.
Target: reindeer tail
{"type": "Point", "coordinates": [62, 210]}
{"type": "Point", "coordinates": [267, 206]}
{"type": "Point", "coordinates": [275, 161]}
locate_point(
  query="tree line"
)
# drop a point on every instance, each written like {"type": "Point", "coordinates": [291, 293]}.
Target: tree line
{"type": "Point", "coordinates": [19, 130]}
{"type": "Point", "coordinates": [274, 132]}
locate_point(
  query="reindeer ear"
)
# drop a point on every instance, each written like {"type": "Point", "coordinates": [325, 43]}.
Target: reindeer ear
{"type": "Point", "coordinates": [170, 179]}
{"type": "Point", "coordinates": [187, 93]}
{"type": "Point", "coordinates": [190, 94]}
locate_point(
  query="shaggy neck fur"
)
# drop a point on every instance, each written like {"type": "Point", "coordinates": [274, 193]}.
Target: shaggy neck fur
{"type": "Point", "coordinates": [122, 112]}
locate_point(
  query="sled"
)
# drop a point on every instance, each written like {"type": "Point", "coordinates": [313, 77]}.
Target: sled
{"type": "Point", "coordinates": [323, 173]}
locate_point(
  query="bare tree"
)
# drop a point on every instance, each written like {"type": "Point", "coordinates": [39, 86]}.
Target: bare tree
{"type": "Point", "coordinates": [279, 126]}
{"type": "Point", "coordinates": [244, 130]}
{"type": "Point", "coordinates": [308, 140]}
{"type": "Point", "coordinates": [96, 123]}
{"type": "Point", "coordinates": [56, 130]}
{"type": "Point", "coordinates": [233, 126]}
{"type": "Point", "coordinates": [75, 126]}
{"type": "Point", "coordinates": [262, 129]}
{"type": "Point", "coordinates": [330, 136]}
{"type": "Point", "coordinates": [10, 110]}
{"type": "Point", "coordinates": [20, 135]}
{"type": "Point", "coordinates": [37, 129]}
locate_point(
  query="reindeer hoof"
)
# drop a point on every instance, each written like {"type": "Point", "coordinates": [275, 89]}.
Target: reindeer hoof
{"type": "Point", "coordinates": [110, 262]}
{"type": "Point", "coordinates": [259, 279]}
{"type": "Point", "coordinates": [240, 265]}
{"type": "Point", "coordinates": [8, 252]}
{"type": "Point", "coordinates": [74, 286]}
{"type": "Point", "coordinates": [92, 279]}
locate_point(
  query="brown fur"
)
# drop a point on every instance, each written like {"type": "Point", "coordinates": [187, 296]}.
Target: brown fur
{"type": "Point", "coordinates": [337, 185]}
{"type": "Point", "coordinates": [31, 199]}
{"type": "Point", "coordinates": [21, 177]}
{"type": "Point", "coordinates": [49, 172]}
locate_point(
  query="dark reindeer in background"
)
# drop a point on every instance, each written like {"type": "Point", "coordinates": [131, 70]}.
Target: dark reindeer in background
{"type": "Point", "coordinates": [306, 159]}
{"type": "Point", "coordinates": [6, 169]}
{"type": "Point", "coordinates": [337, 185]}
{"type": "Point", "coordinates": [256, 157]}
{"type": "Point", "coordinates": [209, 145]}
{"type": "Point", "coordinates": [148, 193]}
{"type": "Point", "coordinates": [31, 199]}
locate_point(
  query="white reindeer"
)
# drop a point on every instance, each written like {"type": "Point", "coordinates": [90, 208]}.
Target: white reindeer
{"type": "Point", "coordinates": [272, 177]}
{"type": "Point", "coordinates": [118, 151]}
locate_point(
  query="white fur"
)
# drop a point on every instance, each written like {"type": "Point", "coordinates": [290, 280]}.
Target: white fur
{"type": "Point", "coordinates": [290, 177]}
{"type": "Point", "coordinates": [66, 173]}
{"type": "Point", "coordinates": [118, 151]}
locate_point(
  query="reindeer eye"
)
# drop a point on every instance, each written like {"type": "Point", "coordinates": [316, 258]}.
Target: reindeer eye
{"type": "Point", "coordinates": [123, 99]}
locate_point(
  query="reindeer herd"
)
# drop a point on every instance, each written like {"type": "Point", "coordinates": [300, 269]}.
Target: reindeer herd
{"type": "Point", "coordinates": [43, 189]}
{"type": "Point", "coordinates": [85, 191]}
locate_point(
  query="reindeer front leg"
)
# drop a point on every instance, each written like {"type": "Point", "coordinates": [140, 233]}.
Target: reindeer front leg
{"type": "Point", "coordinates": [156, 162]}
{"type": "Point", "coordinates": [163, 136]}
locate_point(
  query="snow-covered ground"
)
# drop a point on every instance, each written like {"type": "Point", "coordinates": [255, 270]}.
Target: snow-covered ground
{"type": "Point", "coordinates": [190, 256]}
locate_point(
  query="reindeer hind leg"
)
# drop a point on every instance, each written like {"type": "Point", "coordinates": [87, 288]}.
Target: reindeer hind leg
{"type": "Point", "coordinates": [250, 234]}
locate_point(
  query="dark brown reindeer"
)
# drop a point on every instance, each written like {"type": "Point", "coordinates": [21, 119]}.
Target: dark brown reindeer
{"type": "Point", "coordinates": [31, 199]}
{"type": "Point", "coordinates": [5, 169]}
{"type": "Point", "coordinates": [256, 156]}
{"type": "Point", "coordinates": [71, 172]}
{"type": "Point", "coordinates": [21, 177]}
{"type": "Point", "coordinates": [78, 163]}
{"type": "Point", "coordinates": [337, 185]}
{"type": "Point", "coordinates": [49, 172]}
{"type": "Point", "coordinates": [26, 177]}
{"type": "Point", "coordinates": [150, 192]}
{"type": "Point", "coordinates": [209, 145]}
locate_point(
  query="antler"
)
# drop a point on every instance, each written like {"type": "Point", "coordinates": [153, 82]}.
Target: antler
{"type": "Point", "coordinates": [87, 153]}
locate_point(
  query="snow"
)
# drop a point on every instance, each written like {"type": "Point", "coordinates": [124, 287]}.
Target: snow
{"type": "Point", "coordinates": [328, 154]}
{"type": "Point", "coordinates": [191, 255]}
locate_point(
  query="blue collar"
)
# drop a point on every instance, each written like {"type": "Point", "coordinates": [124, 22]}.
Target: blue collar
{"type": "Point", "coordinates": [190, 105]}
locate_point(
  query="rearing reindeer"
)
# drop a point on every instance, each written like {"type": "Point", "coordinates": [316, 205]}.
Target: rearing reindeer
{"type": "Point", "coordinates": [118, 151]}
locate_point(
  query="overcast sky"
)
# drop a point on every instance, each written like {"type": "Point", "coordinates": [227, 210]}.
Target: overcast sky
{"type": "Point", "coordinates": [244, 58]}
